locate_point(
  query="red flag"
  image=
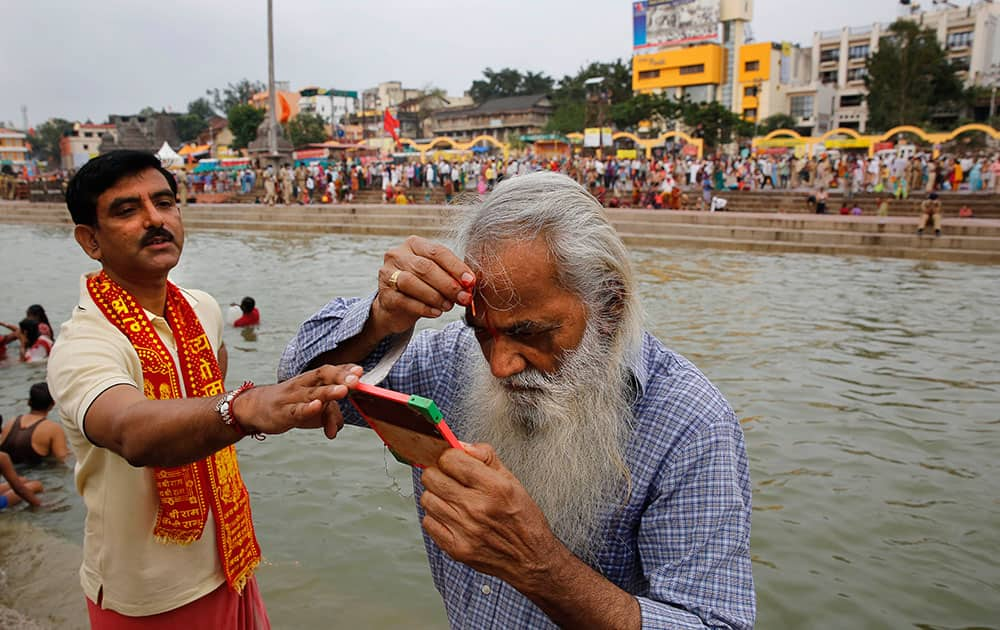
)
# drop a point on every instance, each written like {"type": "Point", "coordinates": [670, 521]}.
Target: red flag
{"type": "Point", "coordinates": [391, 124]}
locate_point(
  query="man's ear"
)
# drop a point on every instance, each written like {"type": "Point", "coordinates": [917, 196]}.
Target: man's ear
{"type": "Point", "coordinates": [86, 236]}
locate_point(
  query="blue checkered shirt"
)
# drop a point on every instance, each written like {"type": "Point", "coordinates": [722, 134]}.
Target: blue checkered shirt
{"type": "Point", "coordinates": [681, 545]}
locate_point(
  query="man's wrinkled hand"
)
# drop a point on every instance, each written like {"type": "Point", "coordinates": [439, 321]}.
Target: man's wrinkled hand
{"type": "Point", "coordinates": [419, 278]}
{"type": "Point", "coordinates": [308, 401]}
{"type": "Point", "coordinates": [481, 515]}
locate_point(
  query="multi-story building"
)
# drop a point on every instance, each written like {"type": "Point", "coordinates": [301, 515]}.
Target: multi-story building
{"type": "Point", "coordinates": [13, 147]}
{"type": "Point", "coordinates": [333, 106]}
{"type": "Point", "coordinates": [83, 143]}
{"type": "Point", "coordinates": [692, 54]}
{"type": "Point", "coordinates": [970, 36]}
{"type": "Point", "coordinates": [504, 118]}
{"type": "Point", "coordinates": [767, 73]}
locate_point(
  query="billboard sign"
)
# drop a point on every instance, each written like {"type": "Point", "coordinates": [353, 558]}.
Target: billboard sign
{"type": "Point", "coordinates": [657, 23]}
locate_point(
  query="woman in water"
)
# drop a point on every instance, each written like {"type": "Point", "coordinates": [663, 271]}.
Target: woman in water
{"type": "Point", "coordinates": [34, 345]}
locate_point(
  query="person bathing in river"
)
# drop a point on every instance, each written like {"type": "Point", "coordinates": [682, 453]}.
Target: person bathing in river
{"type": "Point", "coordinates": [32, 437]}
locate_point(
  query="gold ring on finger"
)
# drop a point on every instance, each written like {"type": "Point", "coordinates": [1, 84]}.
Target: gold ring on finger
{"type": "Point", "coordinates": [394, 279]}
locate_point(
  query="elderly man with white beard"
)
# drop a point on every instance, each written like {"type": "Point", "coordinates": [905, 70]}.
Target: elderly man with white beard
{"type": "Point", "coordinates": [605, 484]}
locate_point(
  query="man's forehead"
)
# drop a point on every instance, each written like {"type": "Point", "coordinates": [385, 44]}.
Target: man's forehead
{"type": "Point", "coordinates": [149, 180]}
{"type": "Point", "coordinates": [513, 273]}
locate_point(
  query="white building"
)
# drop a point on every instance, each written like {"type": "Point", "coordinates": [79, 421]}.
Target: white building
{"type": "Point", "coordinates": [82, 143]}
{"type": "Point", "coordinates": [330, 105]}
{"type": "Point", "coordinates": [970, 35]}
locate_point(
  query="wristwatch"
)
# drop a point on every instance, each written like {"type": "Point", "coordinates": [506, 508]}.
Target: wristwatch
{"type": "Point", "coordinates": [225, 408]}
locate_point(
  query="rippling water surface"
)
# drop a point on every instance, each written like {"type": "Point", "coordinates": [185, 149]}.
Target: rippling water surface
{"type": "Point", "coordinates": [869, 391]}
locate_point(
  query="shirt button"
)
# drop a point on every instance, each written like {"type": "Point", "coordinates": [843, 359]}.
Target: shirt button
{"type": "Point", "coordinates": [486, 589]}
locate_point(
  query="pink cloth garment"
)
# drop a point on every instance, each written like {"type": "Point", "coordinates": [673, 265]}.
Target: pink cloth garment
{"type": "Point", "coordinates": [222, 609]}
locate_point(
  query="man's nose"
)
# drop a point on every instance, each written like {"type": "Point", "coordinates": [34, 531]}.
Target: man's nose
{"type": "Point", "coordinates": [154, 215]}
{"type": "Point", "coordinates": [504, 358]}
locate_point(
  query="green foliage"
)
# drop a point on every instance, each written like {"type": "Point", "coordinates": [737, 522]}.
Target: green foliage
{"type": "Point", "coordinates": [909, 77]}
{"type": "Point", "coordinates": [617, 81]}
{"type": "Point", "coordinates": [661, 110]}
{"type": "Point", "coordinates": [238, 93]}
{"type": "Point", "coordinates": [243, 122]}
{"type": "Point", "coordinates": [776, 121]}
{"type": "Point", "coordinates": [714, 123]}
{"type": "Point", "coordinates": [306, 128]}
{"type": "Point", "coordinates": [45, 140]}
{"type": "Point", "coordinates": [567, 118]}
{"type": "Point", "coordinates": [202, 108]}
{"type": "Point", "coordinates": [509, 82]}
{"type": "Point", "coordinates": [189, 126]}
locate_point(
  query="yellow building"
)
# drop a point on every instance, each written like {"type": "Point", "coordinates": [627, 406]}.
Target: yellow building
{"type": "Point", "coordinates": [695, 71]}
{"type": "Point", "coordinates": [754, 84]}
{"type": "Point", "coordinates": [758, 81]}
{"type": "Point", "coordinates": [13, 147]}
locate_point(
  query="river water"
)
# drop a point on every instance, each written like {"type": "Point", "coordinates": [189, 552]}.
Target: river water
{"type": "Point", "coordinates": [869, 391]}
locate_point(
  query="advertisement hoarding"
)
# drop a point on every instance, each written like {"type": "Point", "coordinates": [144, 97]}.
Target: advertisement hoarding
{"type": "Point", "coordinates": [657, 23]}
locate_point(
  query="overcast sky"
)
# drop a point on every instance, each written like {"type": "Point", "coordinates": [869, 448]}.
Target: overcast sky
{"type": "Point", "coordinates": [87, 59]}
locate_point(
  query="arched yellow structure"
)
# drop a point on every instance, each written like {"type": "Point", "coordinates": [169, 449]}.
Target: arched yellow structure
{"type": "Point", "coordinates": [788, 133]}
{"type": "Point", "coordinates": [839, 131]}
{"type": "Point", "coordinates": [990, 131]}
{"type": "Point", "coordinates": [917, 131]}
{"type": "Point", "coordinates": [454, 144]}
{"type": "Point", "coordinates": [443, 140]}
{"type": "Point", "coordinates": [649, 145]}
{"type": "Point", "coordinates": [624, 134]}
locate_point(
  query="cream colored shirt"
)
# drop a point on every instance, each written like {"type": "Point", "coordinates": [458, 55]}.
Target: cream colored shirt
{"type": "Point", "coordinates": [138, 575]}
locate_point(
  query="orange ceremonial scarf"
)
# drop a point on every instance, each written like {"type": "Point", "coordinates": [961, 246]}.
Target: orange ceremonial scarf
{"type": "Point", "coordinates": [186, 493]}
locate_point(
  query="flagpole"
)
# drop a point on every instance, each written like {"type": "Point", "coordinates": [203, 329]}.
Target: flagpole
{"type": "Point", "coordinates": [272, 100]}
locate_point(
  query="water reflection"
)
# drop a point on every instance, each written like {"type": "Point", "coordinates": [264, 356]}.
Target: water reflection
{"type": "Point", "coordinates": [867, 390]}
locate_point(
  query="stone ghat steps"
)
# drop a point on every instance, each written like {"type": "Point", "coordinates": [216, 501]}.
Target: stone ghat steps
{"type": "Point", "coordinates": [833, 249]}
{"type": "Point", "coordinates": [863, 224]}
{"type": "Point", "coordinates": [826, 237]}
{"type": "Point", "coordinates": [964, 240]}
{"type": "Point", "coordinates": [635, 220]}
{"type": "Point", "coordinates": [983, 205]}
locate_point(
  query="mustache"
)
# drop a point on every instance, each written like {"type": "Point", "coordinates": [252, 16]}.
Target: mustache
{"type": "Point", "coordinates": [156, 232]}
{"type": "Point", "coordinates": [531, 379]}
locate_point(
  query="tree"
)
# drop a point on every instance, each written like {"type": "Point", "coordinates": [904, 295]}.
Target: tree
{"type": "Point", "coordinates": [567, 118]}
{"type": "Point", "coordinates": [202, 108]}
{"type": "Point", "coordinates": [509, 82]}
{"type": "Point", "coordinates": [617, 80]}
{"type": "Point", "coordinates": [189, 126]}
{"type": "Point", "coordinates": [238, 93]}
{"type": "Point", "coordinates": [306, 128]}
{"type": "Point", "coordinates": [196, 119]}
{"type": "Point", "coordinates": [243, 122]}
{"type": "Point", "coordinates": [776, 121]}
{"type": "Point", "coordinates": [659, 109]}
{"type": "Point", "coordinates": [45, 141]}
{"type": "Point", "coordinates": [714, 123]}
{"type": "Point", "coordinates": [569, 98]}
{"type": "Point", "coordinates": [907, 77]}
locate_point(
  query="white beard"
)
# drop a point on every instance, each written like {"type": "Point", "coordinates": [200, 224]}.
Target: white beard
{"type": "Point", "coordinates": [565, 439]}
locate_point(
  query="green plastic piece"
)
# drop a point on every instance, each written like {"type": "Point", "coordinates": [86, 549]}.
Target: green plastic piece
{"type": "Point", "coordinates": [426, 407]}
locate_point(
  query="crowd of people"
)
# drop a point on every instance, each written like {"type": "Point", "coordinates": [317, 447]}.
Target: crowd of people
{"type": "Point", "coordinates": [670, 182]}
